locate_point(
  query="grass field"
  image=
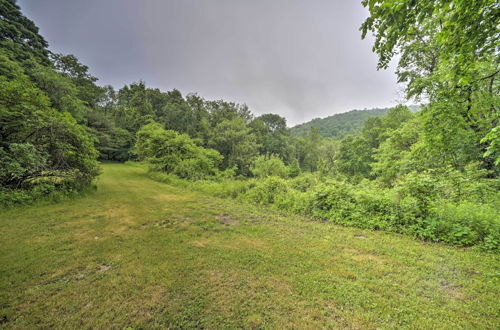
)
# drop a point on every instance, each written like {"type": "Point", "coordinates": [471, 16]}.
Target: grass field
{"type": "Point", "coordinates": [142, 254]}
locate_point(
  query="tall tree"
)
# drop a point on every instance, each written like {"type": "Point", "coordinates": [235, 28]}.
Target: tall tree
{"type": "Point", "coordinates": [449, 54]}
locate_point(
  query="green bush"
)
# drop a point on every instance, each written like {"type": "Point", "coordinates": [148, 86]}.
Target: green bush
{"type": "Point", "coordinates": [464, 224]}
{"type": "Point", "coordinates": [293, 202]}
{"type": "Point", "coordinates": [19, 162]}
{"type": "Point", "coordinates": [375, 210]}
{"type": "Point", "coordinates": [335, 202]}
{"type": "Point", "coordinates": [266, 190]}
{"type": "Point", "coordinates": [12, 197]}
{"type": "Point", "coordinates": [172, 152]}
{"type": "Point", "coordinates": [304, 182]}
{"type": "Point", "coordinates": [266, 166]}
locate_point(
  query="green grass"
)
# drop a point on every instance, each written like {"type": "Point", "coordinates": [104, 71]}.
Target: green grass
{"type": "Point", "coordinates": [142, 254]}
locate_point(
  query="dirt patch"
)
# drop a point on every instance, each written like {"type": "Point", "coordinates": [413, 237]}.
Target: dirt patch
{"type": "Point", "coordinates": [452, 290]}
{"type": "Point", "coordinates": [227, 220]}
{"type": "Point", "coordinates": [201, 243]}
{"type": "Point", "coordinates": [103, 268]}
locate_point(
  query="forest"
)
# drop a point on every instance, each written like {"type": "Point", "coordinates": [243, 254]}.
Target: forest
{"type": "Point", "coordinates": [140, 208]}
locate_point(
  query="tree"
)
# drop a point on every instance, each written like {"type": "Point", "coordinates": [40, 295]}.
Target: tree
{"type": "Point", "coordinates": [266, 166]}
{"type": "Point", "coordinates": [466, 31]}
{"type": "Point", "coordinates": [449, 54]}
{"type": "Point", "coordinates": [399, 153]}
{"type": "Point", "coordinates": [20, 35]}
{"type": "Point", "coordinates": [54, 148]}
{"type": "Point", "coordinates": [236, 142]}
{"type": "Point", "coordinates": [307, 149]}
{"type": "Point", "coordinates": [88, 91]}
{"type": "Point", "coordinates": [170, 151]}
{"type": "Point", "coordinates": [355, 157]}
{"type": "Point", "coordinates": [41, 143]}
{"type": "Point", "coordinates": [272, 135]}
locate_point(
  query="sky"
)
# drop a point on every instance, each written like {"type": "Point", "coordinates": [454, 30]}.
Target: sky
{"type": "Point", "coordinates": [301, 59]}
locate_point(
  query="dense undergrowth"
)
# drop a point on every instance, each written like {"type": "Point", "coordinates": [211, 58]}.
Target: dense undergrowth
{"type": "Point", "coordinates": [42, 193]}
{"type": "Point", "coordinates": [445, 207]}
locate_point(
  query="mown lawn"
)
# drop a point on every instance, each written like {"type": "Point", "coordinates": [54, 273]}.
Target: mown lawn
{"type": "Point", "coordinates": [142, 254]}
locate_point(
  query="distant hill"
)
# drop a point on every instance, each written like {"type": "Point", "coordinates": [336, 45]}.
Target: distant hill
{"type": "Point", "coordinates": [341, 125]}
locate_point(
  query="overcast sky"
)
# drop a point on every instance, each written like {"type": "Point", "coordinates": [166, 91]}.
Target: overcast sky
{"type": "Point", "coordinates": [302, 59]}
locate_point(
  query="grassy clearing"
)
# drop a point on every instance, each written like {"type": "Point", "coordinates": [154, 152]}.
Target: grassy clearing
{"type": "Point", "coordinates": [143, 254]}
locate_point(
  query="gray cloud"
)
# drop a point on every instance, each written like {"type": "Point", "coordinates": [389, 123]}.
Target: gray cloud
{"type": "Point", "coordinates": [299, 58]}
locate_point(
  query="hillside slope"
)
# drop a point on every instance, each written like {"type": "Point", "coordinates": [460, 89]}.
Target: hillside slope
{"type": "Point", "coordinates": [142, 254]}
{"type": "Point", "coordinates": [341, 125]}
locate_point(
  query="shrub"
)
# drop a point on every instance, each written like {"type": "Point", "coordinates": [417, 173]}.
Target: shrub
{"type": "Point", "coordinates": [464, 224]}
{"type": "Point", "coordinates": [266, 190]}
{"type": "Point", "coordinates": [334, 202]}
{"type": "Point", "coordinates": [421, 189]}
{"type": "Point", "coordinates": [20, 161]}
{"type": "Point", "coordinates": [293, 202]}
{"type": "Point", "coordinates": [304, 182]}
{"type": "Point", "coordinates": [225, 188]}
{"type": "Point", "coordinates": [266, 166]}
{"type": "Point", "coordinates": [376, 210]}
{"type": "Point", "coordinates": [12, 197]}
{"type": "Point", "coordinates": [172, 152]}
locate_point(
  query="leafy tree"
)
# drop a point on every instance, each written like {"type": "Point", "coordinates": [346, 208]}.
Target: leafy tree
{"type": "Point", "coordinates": [20, 35]}
{"type": "Point", "coordinates": [493, 149]}
{"type": "Point", "coordinates": [272, 135]}
{"type": "Point", "coordinates": [328, 154]}
{"type": "Point", "coordinates": [236, 142]}
{"type": "Point", "coordinates": [266, 166]}
{"type": "Point", "coordinates": [307, 149]}
{"type": "Point", "coordinates": [449, 54]}
{"type": "Point", "coordinates": [54, 145]}
{"type": "Point", "coordinates": [170, 151]}
{"type": "Point", "coordinates": [467, 30]}
{"type": "Point", "coordinates": [176, 113]}
{"type": "Point", "coordinates": [88, 91]}
{"type": "Point", "coordinates": [399, 153]}
{"type": "Point", "coordinates": [41, 143]}
{"type": "Point", "coordinates": [63, 94]}
{"type": "Point", "coordinates": [113, 143]}
{"type": "Point", "coordinates": [355, 157]}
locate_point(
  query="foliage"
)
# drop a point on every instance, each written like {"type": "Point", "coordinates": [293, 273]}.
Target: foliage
{"type": "Point", "coordinates": [265, 166]}
{"type": "Point", "coordinates": [52, 141]}
{"type": "Point", "coordinates": [172, 152]}
{"type": "Point", "coordinates": [449, 55]}
{"type": "Point", "coordinates": [272, 135]}
{"type": "Point", "coordinates": [20, 34]}
{"type": "Point", "coordinates": [467, 30]}
{"type": "Point", "coordinates": [266, 190]}
{"type": "Point", "coordinates": [233, 139]}
{"type": "Point", "coordinates": [493, 149]}
{"type": "Point", "coordinates": [43, 149]}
